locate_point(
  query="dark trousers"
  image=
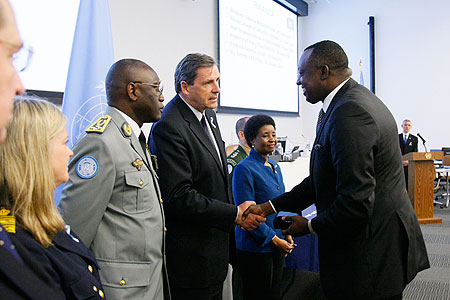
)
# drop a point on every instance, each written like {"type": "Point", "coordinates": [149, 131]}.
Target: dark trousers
{"type": "Point", "coordinates": [209, 293]}
{"type": "Point", "coordinates": [261, 274]}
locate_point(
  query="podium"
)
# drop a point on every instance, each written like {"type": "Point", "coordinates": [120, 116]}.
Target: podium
{"type": "Point", "coordinates": [421, 175]}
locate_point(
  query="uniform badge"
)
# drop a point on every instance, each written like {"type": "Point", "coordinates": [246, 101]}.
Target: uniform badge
{"type": "Point", "coordinates": [230, 169]}
{"type": "Point", "coordinates": [126, 129]}
{"type": "Point", "coordinates": [138, 163]}
{"type": "Point", "coordinates": [234, 154]}
{"type": "Point", "coordinates": [100, 125]}
{"type": "Point", "coordinates": [87, 167]}
{"type": "Point", "coordinates": [8, 222]}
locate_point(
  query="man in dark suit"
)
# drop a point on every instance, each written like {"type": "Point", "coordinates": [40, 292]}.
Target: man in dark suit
{"type": "Point", "coordinates": [408, 143]}
{"type": "Point", "coordinates": [370, 243]}
{"type": "Point", "coordinates": [200, 216]}
{"type": "Point", "coordinates": [17, 279]}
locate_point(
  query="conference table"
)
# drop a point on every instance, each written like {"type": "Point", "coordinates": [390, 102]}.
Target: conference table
{"type": "Point", "coordinates": [305, 256]}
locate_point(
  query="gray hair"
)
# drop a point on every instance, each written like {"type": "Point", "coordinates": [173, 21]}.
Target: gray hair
{"type": "Point", "coordinates": [187, 68]}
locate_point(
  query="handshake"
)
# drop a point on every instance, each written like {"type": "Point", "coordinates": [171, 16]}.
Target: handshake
{"type": "Point", "coordinates": [251, 216]}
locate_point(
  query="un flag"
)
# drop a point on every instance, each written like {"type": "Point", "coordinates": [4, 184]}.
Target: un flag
{"type": "Point", "coordinates": [92, 54]}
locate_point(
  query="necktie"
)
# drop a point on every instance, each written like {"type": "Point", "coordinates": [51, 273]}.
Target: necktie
{"type": "Point", "coordinates": [143, 143]}
{"type": "Point", "coordinates": [5, 243]}
{"type": "Point", "coordinates": [406, 138]}
{"type": "Point", "coordinates": [205, 127]}
{"type": "Point", "coordinates": [319, 120]}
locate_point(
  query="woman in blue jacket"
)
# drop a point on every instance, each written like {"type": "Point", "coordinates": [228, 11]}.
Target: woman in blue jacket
{"type": "Point", "coordinates": [258, 178]}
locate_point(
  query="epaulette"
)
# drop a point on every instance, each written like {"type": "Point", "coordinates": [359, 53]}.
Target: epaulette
{"type": "Point", "coordinates": [100, 125]}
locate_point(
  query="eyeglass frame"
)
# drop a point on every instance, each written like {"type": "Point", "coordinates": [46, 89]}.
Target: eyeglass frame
{"type": "Point", "coordinates": [29, 50]}
{"type": "Point", "coordinates": [160, 86]}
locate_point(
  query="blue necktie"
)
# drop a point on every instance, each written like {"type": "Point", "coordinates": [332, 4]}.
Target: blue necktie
{"type": "Point", "coordinates": [406, 138]}
{"type": "Point", "coordinates": [6, 244]}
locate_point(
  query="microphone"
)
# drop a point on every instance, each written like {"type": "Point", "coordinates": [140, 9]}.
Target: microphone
{"type": "Point", "coordinates": [423, 141]}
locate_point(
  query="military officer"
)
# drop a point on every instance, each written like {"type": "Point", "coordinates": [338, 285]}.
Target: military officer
{"type": "Point", "coordinates": [242, 150]}
{"type": "Point", "coordinates": [112, 199]}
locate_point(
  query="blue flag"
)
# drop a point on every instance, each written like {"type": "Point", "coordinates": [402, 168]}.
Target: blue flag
{"type": "Point", "coordinates": [361, 77]}
{"type": "Point", "coordinates": [92, 55]}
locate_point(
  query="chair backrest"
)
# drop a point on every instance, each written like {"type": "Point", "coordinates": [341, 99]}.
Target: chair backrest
{"type": "Point", "coordinates": [446, 160]}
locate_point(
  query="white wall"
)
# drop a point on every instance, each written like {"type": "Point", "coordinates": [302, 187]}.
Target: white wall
{"type": "Point", "coordinates": [162, 32]}
{"type": "Point", "coordinates": [412, 52]}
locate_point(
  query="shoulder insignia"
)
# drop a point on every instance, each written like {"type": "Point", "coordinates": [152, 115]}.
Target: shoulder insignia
{"type": "Point", "coordinates": [234, 154]}
{"type": "Point", "coordinates": [100, 125]}
{"type": "Point", "coordinates": [8, 222]}
{"type": "Point", "coordinates": [126, 129]}
{"type": "Point", "coordinates": [230, 169]}
{"type": "Point", "coordinates": [231, 162]}
{"type": "Point", "coordinates": [87, 167]}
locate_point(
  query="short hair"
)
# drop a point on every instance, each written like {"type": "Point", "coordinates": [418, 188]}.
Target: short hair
{"type": "Point", "coordinates": [26, 177]}
{"type": "Point", "coordinates": [406, 120]}
{"type": "Point", "coordinates": [328, 53]}
{"type": "Point", "coordinates": [240, 125]}
{"type": "Point", "coordinates": [254, 124]}
{"type": "Point", "coordinates": [119, 75]}
{"type": "Point", "coordinates": [186, 69]}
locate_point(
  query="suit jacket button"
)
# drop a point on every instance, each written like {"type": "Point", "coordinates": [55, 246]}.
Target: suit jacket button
{"type": "Point", "coordinates": [94, 288]}
{"type": "Point", "coordinates": [141, 183]}
{"type": "Point", "coordinates": [278, 188]}
{"type": "Point", "coordinates": [90, 268]}
{"type": "Point", "coordinates": [100, 292]}
{"type": "Point", "coordinates": [161, 200]}
{"type": "Point", "coordinates": [165, 229]}
{"type": "Point", "coordinates": [122, 282]}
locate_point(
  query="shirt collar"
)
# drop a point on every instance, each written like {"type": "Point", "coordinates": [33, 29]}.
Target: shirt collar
{"type": "Point", "coordinates": [197, 114]}
{"type": "Point", "coordinates": [327, 101]}
{"type": "Point", "coordinates": [134, 126]}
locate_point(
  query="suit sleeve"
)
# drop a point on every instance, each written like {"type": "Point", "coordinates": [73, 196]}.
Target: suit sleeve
{"type": "Point", "coordinates": [351, 127]}
{"type": "Point", "coordinates": [300, 197]}
{"type": "Point", "coordinates": [181, 198]}
{"type": "Point", "coordinates": [416, 145]}
{"type": "Point", "coordinates": [84, 201]}
{"type": "Point", "coordinates": [244, 190]}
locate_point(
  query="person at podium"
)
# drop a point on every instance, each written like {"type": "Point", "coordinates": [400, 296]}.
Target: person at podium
{"type": "Point", "coordinates": [408, 143]}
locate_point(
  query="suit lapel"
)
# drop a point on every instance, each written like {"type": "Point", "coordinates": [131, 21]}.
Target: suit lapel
{"type": "Point", "coordinates": [73, 244]}
{"type": "Point", "coordinates": [212, 120]}
{"type": "Point", "coordinates": [198, 130]}
{"type": "Point", "coordinates": [350, 83]}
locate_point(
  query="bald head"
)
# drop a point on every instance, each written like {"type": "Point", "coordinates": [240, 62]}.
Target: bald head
{"type": "Point", "coordinates": [120, 74]}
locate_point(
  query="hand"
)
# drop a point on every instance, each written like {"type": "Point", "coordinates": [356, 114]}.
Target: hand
{"type": "Point", "coordinates": [251, 221]}
{"type": "Point", "coordinates": [299, 226]}
{"type": "Point", "coordinates": [405, 163]}
{"type": "Point", "coordinates": [283, 246]}
{"type": "Point", "coordinates": [260, 210]}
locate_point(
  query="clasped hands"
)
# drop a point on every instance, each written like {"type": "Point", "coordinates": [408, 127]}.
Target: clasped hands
{"type": "Point", "coordinates": [298, 227]}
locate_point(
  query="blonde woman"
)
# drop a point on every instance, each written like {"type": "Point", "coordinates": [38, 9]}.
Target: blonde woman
{"type": "Point", "coordinates": [34, 162]}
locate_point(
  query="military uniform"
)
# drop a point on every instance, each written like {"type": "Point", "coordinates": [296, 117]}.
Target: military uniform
{"type": "Point", "coordinates": [113, 202]}
{"type": "Point", "coordinates": [233, 159]}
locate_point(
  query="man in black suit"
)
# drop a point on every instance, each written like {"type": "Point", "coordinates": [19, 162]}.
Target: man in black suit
{"type": "Point", "coordinates": [200, 215]}
{"type": "Point", "coordinates": [408, 143]}
{"type": "Point", "coordinates": [370, 243]}
{"type": "Point", "coordinates": [17, 280]}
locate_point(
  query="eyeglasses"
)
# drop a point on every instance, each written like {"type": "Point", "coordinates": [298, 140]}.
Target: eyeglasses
{"type": "Point", "coordinates": [159, 86]}
{"type": "Point", "coordinates": [22, 58]}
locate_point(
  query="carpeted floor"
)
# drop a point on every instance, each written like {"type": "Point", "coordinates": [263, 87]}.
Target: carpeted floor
{"type": "Point", "coordinates": [431, 284]}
